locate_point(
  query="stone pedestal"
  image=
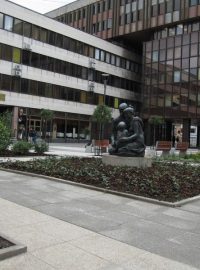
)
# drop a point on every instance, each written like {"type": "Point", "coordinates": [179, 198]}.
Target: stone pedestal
{"type": "Point", "coordinates": [139, 162]}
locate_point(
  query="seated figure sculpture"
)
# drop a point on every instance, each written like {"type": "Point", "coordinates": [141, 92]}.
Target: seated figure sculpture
{"type": "Point", "coordinates": [131, 144]}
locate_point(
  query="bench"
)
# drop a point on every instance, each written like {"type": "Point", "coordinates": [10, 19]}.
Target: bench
{"type": "Point", "coordinates": [100, 146]}
{"type": "Point", "coordinates": [182, 147]}
{"type": "Point", "coordinates": [164, 146]}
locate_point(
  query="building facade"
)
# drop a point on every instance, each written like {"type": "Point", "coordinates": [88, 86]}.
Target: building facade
{"type": "Point", "coordinates": [47, 65]}
{"type": "Point", "coordinates": [166, 34]}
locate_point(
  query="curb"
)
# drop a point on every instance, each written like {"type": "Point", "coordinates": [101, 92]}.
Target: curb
{"type": "Point", "coordinates": [122, 194]}
{"type": "Point", "coordinates": [11, 251]}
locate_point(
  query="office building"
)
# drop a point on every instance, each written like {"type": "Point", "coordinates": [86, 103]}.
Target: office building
{"type": "Point", "coordinates": [166, 34]}
{"type": "Point", "coordinates": [45, 64]}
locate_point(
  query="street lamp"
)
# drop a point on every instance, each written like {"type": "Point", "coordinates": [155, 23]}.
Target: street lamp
{"type": "Point", "coordinates": [105, 80]}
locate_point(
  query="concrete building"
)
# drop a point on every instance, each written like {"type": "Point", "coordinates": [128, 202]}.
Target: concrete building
{"type": "Point", "coordinates": [45, 64]}
{"type": "Point", "coordinates": [166, 34]}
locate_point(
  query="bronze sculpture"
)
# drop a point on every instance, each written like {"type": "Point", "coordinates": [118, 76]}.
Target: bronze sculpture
{"type": "Point", "coordinates": [128, 134]}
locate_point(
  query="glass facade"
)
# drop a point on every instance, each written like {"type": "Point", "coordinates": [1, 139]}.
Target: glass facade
{"type": "Point", "coordinates": [171, 72]}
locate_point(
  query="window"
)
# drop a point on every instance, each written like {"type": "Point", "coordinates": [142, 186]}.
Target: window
{"type": "Point", "coordinates": [18, 27]}
{"type": "Point", "coordinates": [128, 18]}
{"type": "Point", "coordinates": [1, 20]}
{"type": "Point", "coordinates": [35, 32]}
{"type": "Point", "coordinates": [193, 2]}
{"type": "Point", "coordinates": [108, 58]}
{"type": "Point", "coordinates": [155, 56]}
{"type": "Point", "coordinates": [99, 26]}
{"type": "Point", "coordinates": [117, 61]}
{"type": "Point", "coordinates": [112, 59]}
{"type": "Point", "coordinates": [154, 11]}
{"type": "Point", "coordinates": [6, 53]}
{"type": "Point", "coordinates": [110, 4]}
{"type": "Point", "coordinates": [102, 56]}
{"type": "Point", "coordinates": [43, 35]}
{"type": "Point", "coordinates": [177, 52]}
{"type": "Point", "coordinates": [84, 13]}
{"type": "Point", "coordinates": [105, 25]}
{"type": "Point", "coordinates": [97, 54]}
{"type": "Point", "coordinates": [109, 24]}
{"type": "Point", "coordinates": [16, 55]}
{"type": "Point", "coordinates": [168, 18]}
{"type": "Point", "coordinates": [177, 76]}
{"type": "Point", "coordinates": [8, 23]}
{"type": "Point", "coordinates": [27, 29]}
{"type": "Point", "coordinates": [94, 28]}
{"type": "Point", "coordinates": [179, 29]}
{"type": "Point", "coordinates": [140, 4]}
{"type": "Point", "coordinates": [176, 4]}
{"type": "Point", "coordinates": [128, 8]}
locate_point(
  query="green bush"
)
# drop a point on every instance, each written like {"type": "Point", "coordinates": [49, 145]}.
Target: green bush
{"type": "Point", "coordinates": [195, 156]}
{"type": "Point", "coordinates": [21, 148]}
{"type": "Point", "coordinates": [4, 136]}
{"type": "Point", "coordinates": [41, 147]}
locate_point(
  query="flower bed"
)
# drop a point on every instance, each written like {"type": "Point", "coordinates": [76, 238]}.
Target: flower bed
{"type": "Point", "coordinates": [163, 181]}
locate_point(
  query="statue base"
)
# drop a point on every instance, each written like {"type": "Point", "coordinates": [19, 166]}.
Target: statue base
{"type": "Point", "coordinates": [138, 162]}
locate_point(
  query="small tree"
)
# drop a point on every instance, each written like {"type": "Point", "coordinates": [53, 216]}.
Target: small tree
{"type": "Point", "coordinates": [155, 121]}
{"type": "Point", "coordinates": [5, 131]}
{"type": "Point", "coordinates": [46, 115]}
{"type": "Point", "coordinates": [102, 115]}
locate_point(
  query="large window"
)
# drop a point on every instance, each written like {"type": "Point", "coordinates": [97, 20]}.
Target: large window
{"type": "Point", "coordinates": [8, 23]}
{"type": "Point", "coordinates": [18, 27]}
{"type": "Point", "coordinates": [16, 55]}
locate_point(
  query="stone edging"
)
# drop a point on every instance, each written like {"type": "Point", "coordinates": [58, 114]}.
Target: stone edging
{"type": "Point", "coordinates": [11, 251]}
{"type": "Point", "coordinates": [123, 194]}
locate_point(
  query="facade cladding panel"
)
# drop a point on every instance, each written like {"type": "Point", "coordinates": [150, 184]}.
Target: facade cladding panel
{"type": "Point", "coordinates": [42, 67]}
{"type": "Point", "coordinates": [168, 31]}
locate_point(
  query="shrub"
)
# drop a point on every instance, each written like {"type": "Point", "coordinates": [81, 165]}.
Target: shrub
{"type": "Point", "coordinates": [21, 147]}
{"type": "Point", "coordinates": [41, 147]}
{"type": "Point", "coordinates": [5, 133]}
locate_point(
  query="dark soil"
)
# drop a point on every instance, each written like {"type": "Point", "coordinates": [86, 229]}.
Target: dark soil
{"type": "Point", "coordinates": [8, 153]}
{"type": "Point", "coordinates": [163, 181]}
{"type": "Point", "coordinates": [5, 243]}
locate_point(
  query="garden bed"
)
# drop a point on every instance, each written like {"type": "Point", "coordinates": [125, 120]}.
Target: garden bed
{"type": "Point", "coordinates": [8, 153]}
{"type": "Point", "coordinates": [163, 181]}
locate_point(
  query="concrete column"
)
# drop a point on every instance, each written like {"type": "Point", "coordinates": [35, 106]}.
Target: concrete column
{"type": "Point", "coordinates": [15, 121]}
{"type": "Point", "coordinates": [186, 130]}
{"type": "Point", "coordinates": [198, 135]}
{"type": "Point", "coordinates": [168, 132]}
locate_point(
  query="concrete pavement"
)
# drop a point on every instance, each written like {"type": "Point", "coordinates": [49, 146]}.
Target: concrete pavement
{"type": "Point", "coordinates": [69, 227]}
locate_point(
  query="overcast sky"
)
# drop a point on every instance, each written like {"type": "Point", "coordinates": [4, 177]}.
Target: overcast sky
{"type": "Point", "coordinates": [42, 6]}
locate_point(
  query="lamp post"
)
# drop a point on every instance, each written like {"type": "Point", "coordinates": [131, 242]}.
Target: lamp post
{"type": "Point", "coordinates": [105, 80]}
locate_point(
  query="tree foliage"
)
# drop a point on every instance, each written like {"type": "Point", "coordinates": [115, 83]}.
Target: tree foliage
{"type": "Point", "coordinates": [102, 114]}
{"type": "Point", "coordinates": [5, 131]}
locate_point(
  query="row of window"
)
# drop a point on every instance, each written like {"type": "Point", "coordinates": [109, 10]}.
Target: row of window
{"type": "Point", "coordinates": [132, 4]}
{"type": "Point", "coordinates": [101, 26]}
{"type": "Point", "coordinates": [36, 88]}
{"type": "Point", "coordinates": [36, 60]}
{"type": "Point", "coordinates": [38, 33]}
{"type": "Point", "coordinates": [80, 14]}
{"type": "Point", "coordinates": [170, 8]}
{"type": "Point", "coordinates": [181, 98]}
{"type": "Point", "coordinates": [153, 76]}
{"type": "Point", "coordinates": [179, 29]}
{"type": "Point", "coordinates": [171, 42]}
{"type": "Point", "coordinates": [161, 7]}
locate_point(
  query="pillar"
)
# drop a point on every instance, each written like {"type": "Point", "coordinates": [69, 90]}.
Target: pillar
{"type": "Point", "coordinates": [186, 130]}
{"type": "Point", "coordinates": [15, 121]}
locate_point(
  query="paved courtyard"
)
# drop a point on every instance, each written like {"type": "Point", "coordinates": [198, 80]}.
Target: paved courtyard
{"type": "Point", "coordinates": [69, 227]}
